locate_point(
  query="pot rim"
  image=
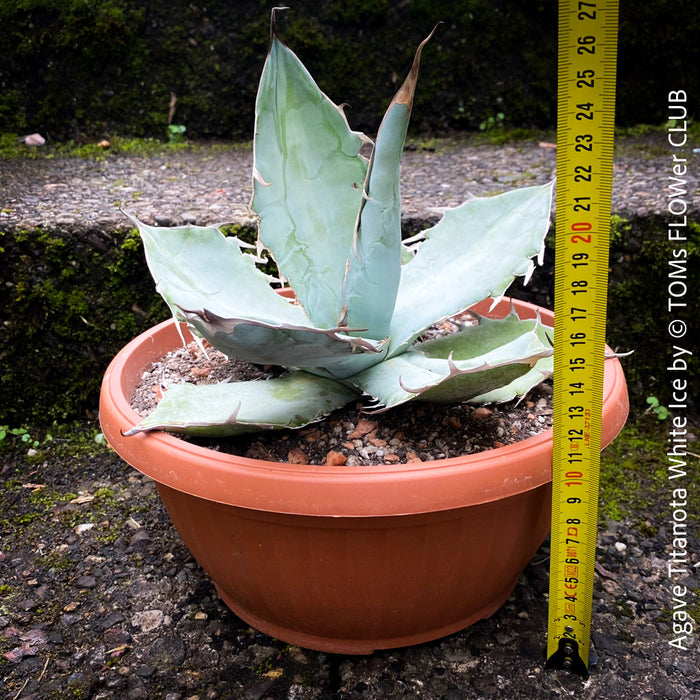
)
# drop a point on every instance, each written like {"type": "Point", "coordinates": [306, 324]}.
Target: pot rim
{"type": "Point", "coordinates": [332, 491]}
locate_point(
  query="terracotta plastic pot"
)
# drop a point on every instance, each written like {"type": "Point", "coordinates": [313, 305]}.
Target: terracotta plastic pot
{"type": "Point", "coordinates": [350, 559]}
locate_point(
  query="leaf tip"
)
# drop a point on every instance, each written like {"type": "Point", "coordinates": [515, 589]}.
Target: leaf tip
{"type": "Point", "coordinates": [257, 177]}
{"type": "Point", "coordinates": [273, 22]}
{"type": "Point", "coordinates": [131, 217]}
{"type": "Point", "coordinates": [406, 91]}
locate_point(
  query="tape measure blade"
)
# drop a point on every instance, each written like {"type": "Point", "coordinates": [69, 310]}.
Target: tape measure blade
{"type": "Point", "coordinates": [585, 131]}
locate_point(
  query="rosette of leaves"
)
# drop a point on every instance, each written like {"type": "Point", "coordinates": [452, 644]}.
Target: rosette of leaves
{"type": "Point", "coordinates": [331, 219]}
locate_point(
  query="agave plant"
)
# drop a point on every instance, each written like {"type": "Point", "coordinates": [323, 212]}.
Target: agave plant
{"type": "Point", "coordinates": [331, 220]}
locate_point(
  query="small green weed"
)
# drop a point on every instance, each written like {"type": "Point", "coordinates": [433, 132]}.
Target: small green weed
{"type": "Point", "coordinates": [493, 122]}
{"type": "Point", "coordinates": [661, 412]}
{"type": "Point", "coordinates": [6, 433]}
{"type": "Point", "coordinates": [176, 133]}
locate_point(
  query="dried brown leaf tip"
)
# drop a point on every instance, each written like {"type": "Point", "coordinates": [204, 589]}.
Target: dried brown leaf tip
{"type": "Point", "coordinates": [407, 90]}
{"type": "Point", "coordinates": [273, 23]}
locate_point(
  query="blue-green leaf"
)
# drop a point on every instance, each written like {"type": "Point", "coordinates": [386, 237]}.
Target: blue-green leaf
{"type": "Point", "coordinates": [474, 252]}
{"type": "Point", "coordinates": [197, 267]}
{"type": "Point", "coordinates": [375, 262]}
{"type": "Point", "coordinates": [331, 352]}
{"type": "Point", "coordinates": [291, 401]}
{"type": "Point", "coordinates": [208, 282]}
{"type": "Point", "coordinates": [460, 366]}
{"type": "Point", "coordinates": [308, 178]}
{"type": "Point", "coordinates": [520, 386]}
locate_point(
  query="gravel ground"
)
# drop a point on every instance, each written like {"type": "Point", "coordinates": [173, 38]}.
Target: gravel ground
{"type": "Point", "coordinates": [99, 598]}
{"type": "Point", "coordinates": [213, 184]}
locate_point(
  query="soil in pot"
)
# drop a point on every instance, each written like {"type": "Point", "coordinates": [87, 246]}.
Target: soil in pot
{"type": "Point", "coordinates": [413, 432]}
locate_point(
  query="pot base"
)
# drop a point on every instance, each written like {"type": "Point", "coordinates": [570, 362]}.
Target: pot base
{"type": "Point", "coordinates": [333, 645]}
{"type": "Point", "coordinates": [354, 585]}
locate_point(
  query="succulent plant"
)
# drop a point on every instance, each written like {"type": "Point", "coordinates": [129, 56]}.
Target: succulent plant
{"type": "Point", "coordinates": [331, 220]}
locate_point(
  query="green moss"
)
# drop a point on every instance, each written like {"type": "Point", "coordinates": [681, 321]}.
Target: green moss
{"type": "Point", "coordinates": [634, 476]}
{"type": "Point", "coordinates": [619, 229]}
{"type": "Point", "coordinates": [69, 303]}
{"type": "Point", "coordinates": [638, 302]}
{"type": "Point", "coordinates": [104, 497]}
{"type": "Point", "coordinates": [630, 475]}
{"type": "Point", "coordinates": [11, 147]}
{"type": "Point", "coordinates": [45, 497]}
{"type": "Point", "coordinates": [621, 608]}
{"type": "Point", "coordinates": [54, 560]}
{"type": "Point", "coordinates": [110, 536]}
{"type": "Point", "coordinates": [27, 518]}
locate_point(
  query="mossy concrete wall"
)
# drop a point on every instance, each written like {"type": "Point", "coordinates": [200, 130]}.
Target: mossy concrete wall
{"type": "Point", "coordinates": [76, 69]}
{"type": "Point", "coordinates": [643, 281]}
{"type": "Point", "coordinates": [70, 301]}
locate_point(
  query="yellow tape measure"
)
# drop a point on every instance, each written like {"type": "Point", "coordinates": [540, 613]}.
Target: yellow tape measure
{"type": "Point", "coordinates": [585, 133]}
